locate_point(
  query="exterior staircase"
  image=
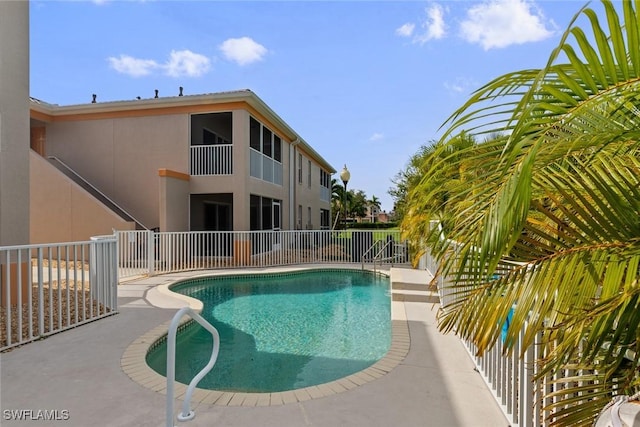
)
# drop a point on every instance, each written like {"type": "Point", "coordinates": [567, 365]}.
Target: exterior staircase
{"type": "Point", "coordinates": [412, 285]}
{"type": "Point", "coordinates": [88, 187]}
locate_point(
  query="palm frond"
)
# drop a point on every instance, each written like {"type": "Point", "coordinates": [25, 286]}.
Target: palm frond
{"type": "Point", "coordinates": [544, 221]}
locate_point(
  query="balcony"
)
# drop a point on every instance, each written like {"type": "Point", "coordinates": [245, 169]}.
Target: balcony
{"type": "Point", "coordinates": [211, 160]}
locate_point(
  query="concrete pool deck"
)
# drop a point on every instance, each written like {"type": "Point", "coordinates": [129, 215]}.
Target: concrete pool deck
{"type": "Point", "coordinates": [79, 373]}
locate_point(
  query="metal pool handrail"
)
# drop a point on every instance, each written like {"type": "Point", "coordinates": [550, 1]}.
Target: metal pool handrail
{"type": "Point", "coordinates": [186, 414]}
{"type": "Point", "coordinates": [378, 255]}
{"type": "Point", "coordinates": [371, 248]}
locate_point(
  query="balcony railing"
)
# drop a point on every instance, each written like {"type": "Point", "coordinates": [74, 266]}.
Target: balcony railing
{"type": "Point", "coordinates": [264, 167]}
{"type": "Point", "coordinates": [325, 194]}
{"type": "Point", "coordinates": [212, 159]}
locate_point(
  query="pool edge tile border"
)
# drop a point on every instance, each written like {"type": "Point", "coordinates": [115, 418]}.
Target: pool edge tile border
{"type": "Point", "coordinates": [133, 363]}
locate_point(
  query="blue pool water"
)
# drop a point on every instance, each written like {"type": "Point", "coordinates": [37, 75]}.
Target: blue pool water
{"type": "Point", "coordinates": [282, 332]}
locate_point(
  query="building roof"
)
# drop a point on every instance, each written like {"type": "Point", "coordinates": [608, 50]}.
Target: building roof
{"type": "Point", "coordinates": [167, 105]}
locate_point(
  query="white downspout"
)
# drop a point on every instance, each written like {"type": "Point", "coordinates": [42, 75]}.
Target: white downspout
{"type": "Point", "coordinates": [292, 183]}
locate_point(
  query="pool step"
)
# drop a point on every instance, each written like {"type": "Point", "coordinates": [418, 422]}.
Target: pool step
{"type": "Point", "coordinates": [412, 285]}
{"type": "Point", "coordinates": [404, 286]}
{"type": "Point", "coordinates": [414, 292]}
{"type": "Point", "coordinates": [415, 296]}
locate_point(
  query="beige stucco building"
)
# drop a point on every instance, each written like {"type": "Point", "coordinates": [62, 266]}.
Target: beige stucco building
{"type": "Point", "coordinates": [14, 123]}
{"type": "Point", "coordinates": [221, 161]}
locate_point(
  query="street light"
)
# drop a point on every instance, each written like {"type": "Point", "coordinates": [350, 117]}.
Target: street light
{"type": "Point", "coordinates": [344, 176]}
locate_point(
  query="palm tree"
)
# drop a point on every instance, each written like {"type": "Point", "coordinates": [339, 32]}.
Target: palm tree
{"type": "Point", "coordinates": [343, 204]}
{"type": "Point", "coordinates": [357, 203]}
{"type": "Point", "coordinates": [447, 167]}
{"type": "Point", "coordinates": [374, 203]}
{"type": "Point", "coordinates": [559, 197]}
{"type": "Point", "coordinates": [337, 200]}
{"type": "Point", "coordinates": [337, 190]}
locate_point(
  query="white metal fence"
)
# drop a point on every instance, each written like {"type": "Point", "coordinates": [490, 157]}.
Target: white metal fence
{"type": "Point", "coordinates": [510, 378]}
{"type": "Point", "coordinates": [45, 289]}
{"type": "Point", "coordinates": [146, 252]}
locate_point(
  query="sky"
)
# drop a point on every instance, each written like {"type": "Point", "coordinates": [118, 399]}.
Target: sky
{"type": "Point", "coordinates": [365, 83]}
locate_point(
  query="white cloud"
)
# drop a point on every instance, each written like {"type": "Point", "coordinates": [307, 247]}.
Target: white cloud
{"type": "Point", "coordinates": [243, 51]}
{"type": "Point", "coordinates": [406, 30]}
{"type": "Point", "coordinates": [180, 63]}
{"type": "Point", "coordinates": [460, 85]}
{"type": "Point", "coordinates": [500, 23]}
{"type": "Point", "coordinates": [376, 137]}
{"type": "Point", "coordinates": [434, 26]}
{"type": "Point", "coordinates": [134, 67]}
{"type": "Point", "coordinates": [186, 63]}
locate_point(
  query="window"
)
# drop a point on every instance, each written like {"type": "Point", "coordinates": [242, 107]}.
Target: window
{"type": "Point", "coordinates": [261, 213]}
{"type": "Point", "coordinates": [299, 168]}
{"type": "Point", "coordinates": [325, 180]}
{"type": "Point", "coordinates": [324, 219]}
{"type": "Point", "coordinates": [265, 155]}
{"type": "Point", "coordinates": [309, 223]}
{"type": "Point", "coordinates": [325, 183]}
{"type": "Point", "coordinates": [209, 137]}
{"type": "Point", "coordinates": [277, 148]}
{"type": "Point", "coordinates": [254, 212]}
{"type": "Point", "coordinates": [212, 128]}
{"type": "Point", "coordinates": [299, 216]}
{"type": "Point", "coordinates": [266, 142]}
{"type": "Point", "coordinates": [254, 134]}
{"type": "Point", "coordinates": [309, 174]}
{"type": "Point", "coordinates": [267, 222]}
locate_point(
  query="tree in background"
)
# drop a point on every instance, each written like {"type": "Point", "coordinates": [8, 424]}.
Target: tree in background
{"type": "Point", "coordinates": [407, 179]}
{"type": "Point", "coordinates": [558, 194]}
{"type": "Point", "coordinates": [419, 201]}
{"type": "Point", "coordinates": [373, 205]}
{"type": "Point", "coordinates": [337, 192]}
{"type": "Point", "coordinates": [357, 204]}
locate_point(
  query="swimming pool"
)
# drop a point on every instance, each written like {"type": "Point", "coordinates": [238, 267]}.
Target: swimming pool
{"type": "Point", "coordinates": [283, 331]}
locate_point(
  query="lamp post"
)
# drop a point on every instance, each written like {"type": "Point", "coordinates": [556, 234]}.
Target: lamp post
{"type": "Point", "coordinates": [344, 176]}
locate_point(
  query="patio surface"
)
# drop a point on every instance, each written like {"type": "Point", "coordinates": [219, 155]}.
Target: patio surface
{"type": "Point", "coordinates": [79, 373]}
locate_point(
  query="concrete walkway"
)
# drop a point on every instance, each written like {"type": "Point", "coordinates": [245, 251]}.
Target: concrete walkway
{"type": "Point", "coordinates": [77, 375]}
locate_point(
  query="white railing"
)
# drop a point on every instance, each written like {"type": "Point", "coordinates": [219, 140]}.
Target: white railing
{"type": "Point", "coordinates": [264, 167]}
{"type": "Point", "coordinates": [511, 381]}
{"type": "Point", "coordinates": [212, 159]}
{"type": "Point", "coordinates": [148, 253]}
{"type": "Point", "coordinates": [186, 414]}
{"type": "Point", "coordinates": [509, 377]}
{"type": "Point", "coordinates": [45, 289]}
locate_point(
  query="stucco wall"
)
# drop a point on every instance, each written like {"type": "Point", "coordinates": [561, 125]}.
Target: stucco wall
{"type": "Point", "coordinates": [14, 123]}
{"type": "Point", "coordinates": [174, 201]}
{"type": "Point", "coordinates": [122, 156]}
{"type": "Point", "coordinates": [309, 196]}
{"type": "Point", "coordinates": [61, 211]}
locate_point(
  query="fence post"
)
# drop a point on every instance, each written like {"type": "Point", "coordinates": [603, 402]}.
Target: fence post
{"type": "Point", "coordinates": [151, 252]}
{"type": "Point", "coordinates": [528, 406]}
{"type": "Point", "coordinates": [113, 270]}
{"type": "Point", "coordinates": [94, 256]}
{"type": "Point", "coordinates": [103, 269]}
